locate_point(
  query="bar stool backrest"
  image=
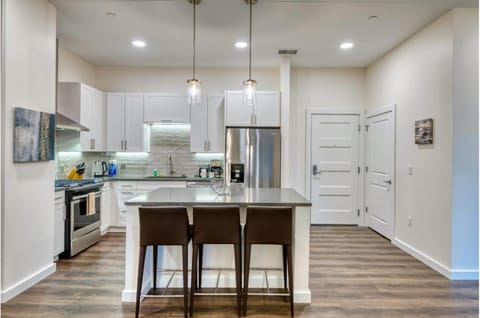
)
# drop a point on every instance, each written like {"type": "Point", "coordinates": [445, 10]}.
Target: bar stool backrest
{"type": "Point", "coordinates": [216, 225]}
{"type": "Point", "coordinates": [269, 225]}
{"type": "Point", "coordinates": [164, 226]}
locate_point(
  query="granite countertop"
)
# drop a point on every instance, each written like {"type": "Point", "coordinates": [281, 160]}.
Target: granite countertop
{"type": "Point", "coordinates": [237, 196]}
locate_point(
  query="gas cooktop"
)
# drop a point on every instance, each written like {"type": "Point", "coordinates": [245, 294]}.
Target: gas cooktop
{"type": "Point", "coordinates": [68, 183]}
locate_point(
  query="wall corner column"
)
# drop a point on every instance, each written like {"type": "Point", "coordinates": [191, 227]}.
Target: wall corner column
{"type": "Point", "coordinates": [285, 67]}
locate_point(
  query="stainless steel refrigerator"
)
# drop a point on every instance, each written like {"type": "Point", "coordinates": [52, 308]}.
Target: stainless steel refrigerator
{"type": "Point", "coordinates": [252, 157]}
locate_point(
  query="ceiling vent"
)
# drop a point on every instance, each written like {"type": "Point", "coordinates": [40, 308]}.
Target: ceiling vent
{"type": "Point", "coordinates": [287, 52]}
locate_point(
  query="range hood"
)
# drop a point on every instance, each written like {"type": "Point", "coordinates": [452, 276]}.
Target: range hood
{"type": "Point", "coordinates": [62, 122]}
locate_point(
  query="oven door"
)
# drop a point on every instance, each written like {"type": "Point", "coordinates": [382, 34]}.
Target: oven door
{"type": "Point", "coordinates": [81, 222]}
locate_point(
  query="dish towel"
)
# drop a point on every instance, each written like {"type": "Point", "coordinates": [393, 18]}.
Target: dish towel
{"type": "Point", "coordinates": [91, 203]}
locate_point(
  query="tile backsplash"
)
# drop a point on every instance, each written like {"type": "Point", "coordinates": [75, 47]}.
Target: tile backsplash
{"type": "Point", "coordinates": [165, 140]}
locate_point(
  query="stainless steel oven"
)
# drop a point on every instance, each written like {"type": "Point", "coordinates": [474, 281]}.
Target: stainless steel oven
{"type": "Point", "coordinates": [82, 229]}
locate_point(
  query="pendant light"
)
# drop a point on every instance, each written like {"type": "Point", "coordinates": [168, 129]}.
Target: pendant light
{"type": "Point", "coordinates": [194, 89]}
{"type": "Point", "coordinates": [249, 86]}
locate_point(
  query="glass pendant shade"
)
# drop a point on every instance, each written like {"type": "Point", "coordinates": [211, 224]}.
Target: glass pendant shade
{"type": "Point", "coordinates": [249, 90]}
{"type": "Point", "coordinates": [194, 91]}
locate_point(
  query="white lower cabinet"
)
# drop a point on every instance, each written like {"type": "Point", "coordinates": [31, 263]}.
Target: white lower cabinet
{"type": "Point", "coordinates": [106, 210]}
{"type": "Point", "coordinates": [59, 225]}
{"type": "Point", "coordinates": [126, 190]}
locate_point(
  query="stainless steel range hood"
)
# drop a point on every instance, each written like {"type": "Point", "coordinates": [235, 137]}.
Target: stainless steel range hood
{"type": "Point", "coordinates": [62, 122]}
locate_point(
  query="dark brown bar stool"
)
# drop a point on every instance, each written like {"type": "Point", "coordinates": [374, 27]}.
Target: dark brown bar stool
{"type": "Point", "coordinates": [216, 225]}
{"type": "Point", "coordinates": [268, 225]}
{"type": "Point", "coordinates": [163, 226]}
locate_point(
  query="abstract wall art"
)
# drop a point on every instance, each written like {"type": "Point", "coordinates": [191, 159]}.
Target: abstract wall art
{"type": "Point", "coordinates": [34, 136]}
{"type": "Point", "coordinates": [424, 131]}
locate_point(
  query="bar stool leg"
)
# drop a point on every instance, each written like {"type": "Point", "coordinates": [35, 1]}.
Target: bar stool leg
{"type": "Point", "coordinates": [238, 277]}
{"type": "Point", "coordinates": [185, 279]}
{"type": "Point", "coordinates": [200, 265]}
{"type": "Point", "coordinates": [155, 260]}
{"type": "Point", "coordinates": [194, 277]}
{"type": "Point", "coordinates": [248, 250]}
{"type": "Point", "coordinates": [290, 277]}
{"type": "Point", "coordinates": [141, 264]}
{"type": "Point", "coordinates": [284, 247]}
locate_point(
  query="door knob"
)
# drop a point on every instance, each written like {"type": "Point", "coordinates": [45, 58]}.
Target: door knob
{"type": "Point", "coordinates": [315, 170]}
{"type": "Point", "coordinates": [388, 181]}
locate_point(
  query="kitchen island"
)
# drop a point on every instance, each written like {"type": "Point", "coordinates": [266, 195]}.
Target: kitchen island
{"type": "Point", "coordinates": [218, 259]}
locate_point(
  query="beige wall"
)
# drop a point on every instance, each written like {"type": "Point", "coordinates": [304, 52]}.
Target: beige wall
{"type": "Point", "coordinates": [161, 79]}
{"type": "Point", "coordinates": [318, 88]}
{"type": "Point", "coordinates": [28, 192]}
{"type": "Point", "coordinates": [417, 76]}
{"type": "Point", "coordinates": [72, 68]}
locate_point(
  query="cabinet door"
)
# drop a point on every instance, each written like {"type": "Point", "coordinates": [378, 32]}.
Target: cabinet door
{"type": "Point", "coordinates": [59, 228]}
{"type": "Point", "coordinates": [86, 141]}
{"type": "Point", "coordinates": [166, 108]}
{"type": "Point", "coordinates": [236, 112]}
{"type": "Point", "coordinates": [216, 127]}
{"type": "Point", "coordinates": [199, 127]}
{"type": "Point", "coordinates": [134, 132]}
{"type": "Point", "coordinates": [106, 208]}
{"type": "Point", "coordinates": [267, 109]}
{"type": "Point", "coordinates": [97, 132]}
{"type": "Point", "coordinates": [115, 121]}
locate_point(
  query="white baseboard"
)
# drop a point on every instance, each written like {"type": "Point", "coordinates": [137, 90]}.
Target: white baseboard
{"type": "Point", "coordinates": [28, 282]}
{"type": "Point", "coordinates": [116, 229]}
{"type": "Point", "coordinates": [462, 274]}
{"type": "Point", "coordinates": [302, 296]}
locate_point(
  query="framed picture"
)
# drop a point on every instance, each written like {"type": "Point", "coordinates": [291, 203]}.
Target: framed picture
{"type": "Point", "coordinates": [34, 136]}
{"type": "Point", "coordinates": [424, 131]}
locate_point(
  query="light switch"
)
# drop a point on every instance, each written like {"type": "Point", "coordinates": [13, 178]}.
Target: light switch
{"type": "Point", "coordinates": [410, 170]}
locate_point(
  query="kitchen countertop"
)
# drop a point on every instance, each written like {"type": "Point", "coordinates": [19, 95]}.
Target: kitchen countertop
{"type": "Point", "coordinates": [166, 178]}
{"type": "Point", "coordinates": [237, 196]}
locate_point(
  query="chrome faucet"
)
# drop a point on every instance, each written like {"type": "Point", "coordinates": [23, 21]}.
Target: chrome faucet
{"type": "Point", "coordinates": [171, 168]}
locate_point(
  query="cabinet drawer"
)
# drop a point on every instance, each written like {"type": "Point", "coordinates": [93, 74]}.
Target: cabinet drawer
{"type": "Point", "coordinates": [122, 217]}
{"type": "Point", "coordinates": [59, 197]}
{"type": "Point", "coordinates": [152, 185]}
{"type": "Point", "coordinates": [127, 185]}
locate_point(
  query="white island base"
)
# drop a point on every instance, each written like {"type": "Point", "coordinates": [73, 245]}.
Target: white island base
{"type": "Point", "coordinates": [219, 259]}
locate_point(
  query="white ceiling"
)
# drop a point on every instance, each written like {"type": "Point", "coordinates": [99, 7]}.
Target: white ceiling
{"type": "Point", "coordinates": [314, 27]}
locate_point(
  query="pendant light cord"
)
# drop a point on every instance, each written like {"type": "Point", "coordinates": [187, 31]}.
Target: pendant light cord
{"type": "Point", "coordinates": [250, 45]}
{"type": "Point", "coordinates": [194, 35]}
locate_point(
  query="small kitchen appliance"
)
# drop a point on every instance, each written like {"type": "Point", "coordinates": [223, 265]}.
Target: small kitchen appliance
{"type": "Point", "coordinates": [112, 168]}
{"type": "Point", "coordinates": [216, 168]}
{"type": "Point", "coordinates": [100, 169]}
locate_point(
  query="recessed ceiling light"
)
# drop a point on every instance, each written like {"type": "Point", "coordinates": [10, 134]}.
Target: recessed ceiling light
{"type": "Point", "coordinates": [373, 18]}
{"type": "Point", "coordinates": [347, 45]}
{"type": "Point", "coordinates": [241, 45]}
{"type": "Point", "coordinates": [138, 43]}
{"type": "Point", "coordinates": [110, 14]}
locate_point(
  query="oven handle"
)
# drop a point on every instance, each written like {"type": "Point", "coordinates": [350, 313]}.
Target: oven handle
{"type": "Point", "coordinates": [75, 199]}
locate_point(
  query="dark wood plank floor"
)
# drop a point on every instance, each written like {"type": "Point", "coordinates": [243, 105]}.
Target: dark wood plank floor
{"type": "Point", "coordinates": [354, 272]}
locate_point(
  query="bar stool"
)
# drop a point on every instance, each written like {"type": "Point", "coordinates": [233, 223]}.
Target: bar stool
{"type": "Point", "coordinates": [269, 226]}
{"type": "Point", "coordinates": [216, 225]}
{"type": "Point", "coordinates": [163, 226]}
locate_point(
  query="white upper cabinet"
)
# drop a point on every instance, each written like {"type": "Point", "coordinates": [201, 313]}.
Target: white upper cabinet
{"type": "Point", "coordinates": [207, 129]}
{"type": "Point", "coordinates": [126, 131]}
{"type": "Point", "coordinates": [265, 112]}
{"type": "Point", "coordinates": [85, 105]}
{"type": "Point", "coordinates": [166, 108]}
{"type": "Point", "coordinates": [236, 112]}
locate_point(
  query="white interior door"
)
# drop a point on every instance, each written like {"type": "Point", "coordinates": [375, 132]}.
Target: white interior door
{"type": "Point", "coordinates": [380, 163]}
{"type": "Point", "coordinates": [335, 176]}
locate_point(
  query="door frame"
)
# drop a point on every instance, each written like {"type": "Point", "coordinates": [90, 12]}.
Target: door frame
{"type": "Point", "coordinates": [374, 112]}
{"type": "Point", "coordinates": [361, 151]}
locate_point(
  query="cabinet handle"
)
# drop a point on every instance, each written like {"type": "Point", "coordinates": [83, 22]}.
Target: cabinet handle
{"type": "Point", "coordinates": [125, 144]}
{"type": "Point", "coordinates": [208, 145]}
{"type": "Point", "coordinates": [255, 121]}
{"type": "Point", "coordinates": [121, 144]}
{"type": "Point", "coordinates": [92, 143]}
{"type": "Point", "coordinates": [251, 119]}
{"type": "Point", "coordinates": [204, 145]}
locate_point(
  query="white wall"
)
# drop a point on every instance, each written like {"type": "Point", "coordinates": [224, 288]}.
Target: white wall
{"type": "Point", "coordinates": [161, 79]}
{"type": "Point", "coordinates": [318, 87]}
{"type": "Point", "coordinates": [434, 74]}
{"type": "Point", "coordinates": [72, 68]}
{"type": "Point", "coordinates": [28, 192]}
{"type": "Point", "coordinates": [465, 142]}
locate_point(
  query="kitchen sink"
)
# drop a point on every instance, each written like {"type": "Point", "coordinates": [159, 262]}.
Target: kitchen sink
{"type": "Point", "coordinates": [167, 177]}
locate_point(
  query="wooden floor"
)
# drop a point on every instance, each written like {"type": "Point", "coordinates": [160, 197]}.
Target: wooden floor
{"type": "Point", "coordinates": [354, 272]}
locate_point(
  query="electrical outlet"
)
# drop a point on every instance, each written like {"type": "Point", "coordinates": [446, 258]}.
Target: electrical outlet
{"type": "Point", "coordinates": [410, 220]}
{"type": "Point", "coordinates": [123, 166]}
{"type": "Point", "coordinates": [410, 170]}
